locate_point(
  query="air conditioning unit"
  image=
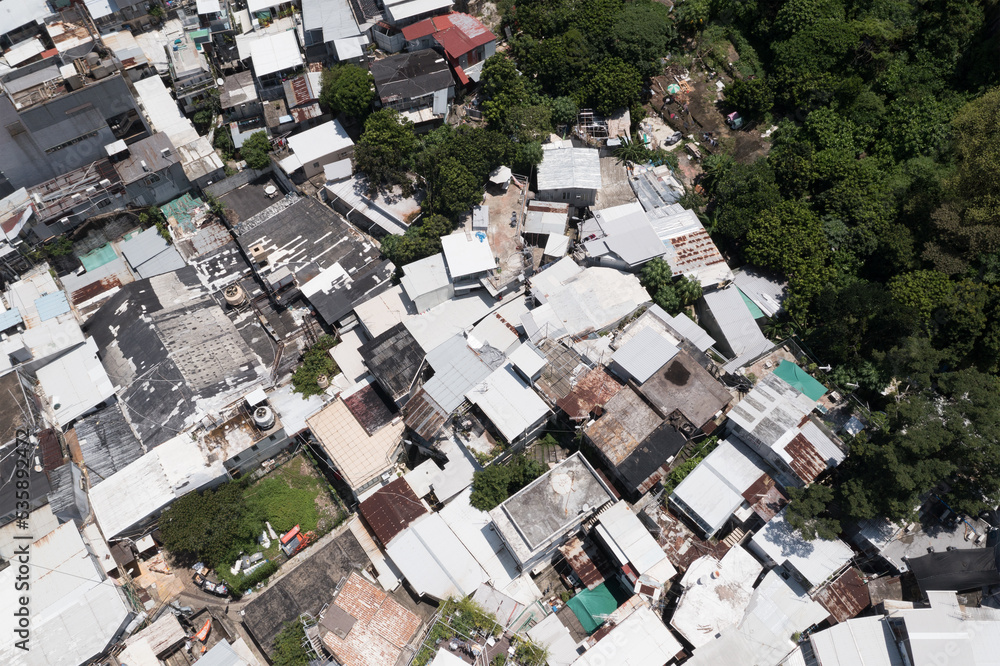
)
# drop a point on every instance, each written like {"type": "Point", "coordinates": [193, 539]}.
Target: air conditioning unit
{"type": "Point", "coordinates": [104, 182]}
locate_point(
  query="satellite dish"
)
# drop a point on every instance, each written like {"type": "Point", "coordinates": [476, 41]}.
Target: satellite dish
{"type": "Point", "coordinates": [220, 82]}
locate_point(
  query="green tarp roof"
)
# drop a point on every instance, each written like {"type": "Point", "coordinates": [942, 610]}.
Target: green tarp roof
{"type": "Point", "coordinates": [754, 310]}
{"type": "Point", "coordinates": [800, 380]}
{"type": "Point", "coordinates": [592, 606]}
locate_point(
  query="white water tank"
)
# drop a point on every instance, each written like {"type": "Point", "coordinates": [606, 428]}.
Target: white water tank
{"type": "Point", "coordinates": [234, 295]}
{"type": "Point", "coordinates": [263, 418]}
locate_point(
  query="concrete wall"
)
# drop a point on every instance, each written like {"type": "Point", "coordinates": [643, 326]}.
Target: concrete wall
{"type": "Point", "coordinates": [250, 459]}
{"type": "Point", "coordinates": [574, 196]}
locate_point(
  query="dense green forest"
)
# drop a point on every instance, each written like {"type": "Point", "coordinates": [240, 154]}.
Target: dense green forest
{"type": "Point", "coordinates": [879, 198]}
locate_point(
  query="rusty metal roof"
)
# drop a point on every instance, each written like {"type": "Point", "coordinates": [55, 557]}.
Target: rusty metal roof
{"type": "Point", "coordinates": [580, 556]}
{"type": "Point", "coordinates": [52, 454]}
{"type": "Point", "coordinates": [845, 597]}
{"type": "Point", "coordinates": [423, 415]}
{"type": "Point", "coordinates": [806, 461]}
{"type": "Point", "coordinates": [391, 509]}
{"type": "Point", "coordinates": [765, 498]}
{"type": "Point", "coordinates": [593, 390]}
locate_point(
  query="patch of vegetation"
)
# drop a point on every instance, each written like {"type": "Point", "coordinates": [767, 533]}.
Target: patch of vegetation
{"type": "Point", "coordinates": [680, 472]}
{"type": "Point", "coordinates": [255, 150]}
{"type": "Point", "coordinates": [347, 89]}
{"type": "Point", "coordinates": [215, 526]}
{"type": "Point", "coordinates": [495, 483]}
{"type": "Point", "coordinates": [223, 142]}
{"type": "Point", "coordinates": [673, 295]}
{"type": "Point", "coordinates": [288, 646]}
{"type": "Point", "coordinates": [315, 362]}
{"type": "Point", "coordinates": [239, 583]}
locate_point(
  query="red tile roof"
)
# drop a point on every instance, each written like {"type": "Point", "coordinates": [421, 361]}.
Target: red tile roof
{"type": "Point", "coordinates": [382, 627]}
{"type": "Point", "coordinates": [456, 33]}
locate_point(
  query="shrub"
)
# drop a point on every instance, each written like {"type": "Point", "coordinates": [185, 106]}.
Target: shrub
{"type": "Point", "coordinates": [315, 362]}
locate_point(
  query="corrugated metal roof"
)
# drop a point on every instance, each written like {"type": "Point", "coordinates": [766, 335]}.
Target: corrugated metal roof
{"type": "Point", "coordinates": [715, 488]}
{"type": "Point", "coordinates": [508, 402]}
{"type": "Point", "coordinates": [865, 640]}
{"type": "Point", "coordinates": [815, 560]}
{"type": "Point", "coordinates": [10, 318]}
{"type": "Point", "coordinates": [457, 369]}
{"type": "Point", "coordinates": [644, 354]}
{"type": "Point", "coordinates": [766, 291]}
{"type": "Point", "coordinates": [423, 415]}
{"type": "Point", "coordinates": [538, 222]}
{"type": "Point", "coordinates": [52, 305]}
{"type": "Point", "coordinates": [274, 53]}
{"type": "Point", "coordinates": [593, 390]}
{"type": "Point", "coordinates": [569, 168]}
{"type": "Point", "coordinates": [632, 537]}
{"type": "Point", "coordinates": [737, 325]}
{"type": "Point", "coordinates": [333, 17]}
{"type": "Point", "coordinates": [322, 140]}
{"type": "Point", "coordinates": [434, 560]}
{"type": "Point", "coordinates": [391, 509]}
{"type": "Point", "coordinates": [684, 325]}
{"type": "Point", "coordinates": [580, 556]}
{"type": "Point", "coordinates": [845, 597]}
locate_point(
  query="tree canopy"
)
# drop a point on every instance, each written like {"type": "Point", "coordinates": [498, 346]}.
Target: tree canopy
{"type": "Point", "coordinates": [255, 150]}
{"type": "Point", "coordinates": [347, 89]}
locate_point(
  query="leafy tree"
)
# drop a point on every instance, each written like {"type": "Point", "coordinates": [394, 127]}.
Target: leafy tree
{"type": "Point", "coordinates": [420, 240]}
{"type": "Point", "coordinates": [789, 237]}
{"type": "Point", "coordinates": [526, 156]}
{"type": "Point", "coordinates": [495, 483]}
{"type": "Point", "coordinates": [503, 88]}
{"type": "Point", "coordinates": [347, 89]}
{"type": "Point", "coordinates": [315, 362]}
{"type": "Point", "coordinates": [806, 512]}
{"type": "Point", "coordinates": [614, 85]}
{"type": "Point", "coordinates": [528, 123]}
{"type": "Point", "coordinates": [741, 192]}
{"type": "Point", "coordinates": [385, 148]}
{"type": "Point", "coordinates": [564, 110]}
{"type": "Point", "coordinates": [925, 291]}
{"type": "Point", "coordinates": [642, 33]}
{"type": "Point", "coordinates": [288, 646]}
{"type": "Point", "coordinates": [692, 15]}
{"type": "Point", "coordinates": [255, 150]}
{"type": "Point", "coordinates": [753, 97]}
{"type": "Point", "coordinates": [670, 294]}
{"type": "Point", "coordinates": [453, 190]}
{"type": "Point", "coordinates": [949, 434]}
{"type": "Point", "coordinates": [212, 526]}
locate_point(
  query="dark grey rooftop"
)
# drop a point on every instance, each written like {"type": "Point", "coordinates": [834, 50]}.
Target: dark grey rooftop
{"type": "Point", "coordinates": [167, 342]}
{"type": "Point", "coordinates": [407, 75]}
{"type": "Point", "coordinates": [685, 386]}
{"type": "Point", "coordinates": [306, 236]}
{"type": "Point", "coordinates": [250, 199]}
{"type": "Point", "coordinates": [306, 589]}
{"type": "Point", "coordinates": [652, 453]}
{"type": "Point", "coordinates": [394, 358]}
{"type": "Point", "coordinates": [107, 443]}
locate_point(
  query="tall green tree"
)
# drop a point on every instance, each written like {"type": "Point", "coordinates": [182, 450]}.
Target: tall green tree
{"type": "Point", "coordinates": [385, 148]}
{"type": "Point", "coordinates": [255, 150]}
{"type": "Point", "coordinates": [348, 89]}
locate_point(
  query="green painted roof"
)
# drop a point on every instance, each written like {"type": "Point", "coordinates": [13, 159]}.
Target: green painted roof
{"type": "Point", "coordinates": [754, 310]}
{"type": "Point", "coordinates": [800, 380]}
